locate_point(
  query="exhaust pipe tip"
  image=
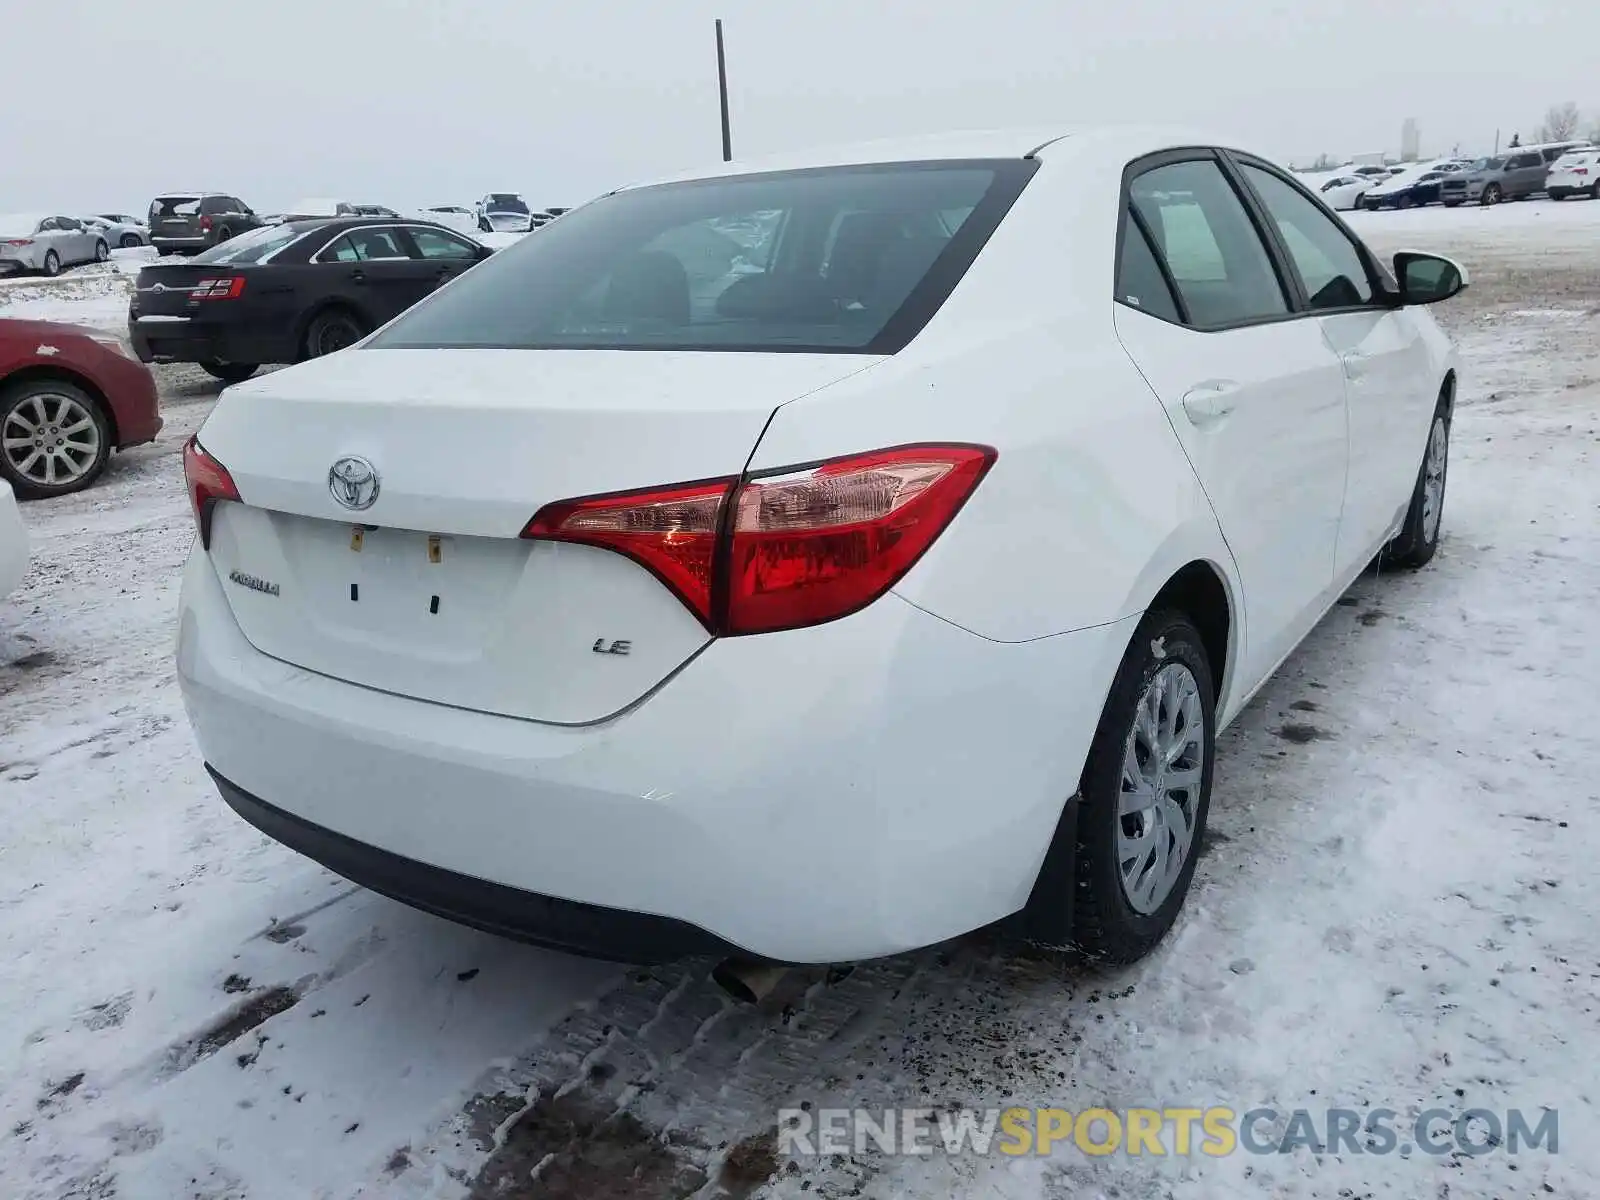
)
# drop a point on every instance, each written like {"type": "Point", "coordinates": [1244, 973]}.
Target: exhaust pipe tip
{"type": "Point", "coordinates": [747, 982]}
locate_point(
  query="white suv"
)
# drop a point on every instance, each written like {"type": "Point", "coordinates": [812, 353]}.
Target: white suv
{"type": "Point", "coordinates": [1575, 173]}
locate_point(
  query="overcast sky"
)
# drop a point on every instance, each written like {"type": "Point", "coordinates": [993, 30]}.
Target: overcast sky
{"type": "Point", "coordinates": [414, 102]}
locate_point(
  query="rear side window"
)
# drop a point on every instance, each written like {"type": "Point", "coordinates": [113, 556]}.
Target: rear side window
{"type": "Point", "coordinates": [1330, 267]}
{"type": "Point", "coordinates": [1209, 244]}
{"type": "Point", "coordinates": [1140, 283]}
{"type": "Point", "coordinates": [841, 259]}
{"type": "Point", "coordinates": [365, 245]}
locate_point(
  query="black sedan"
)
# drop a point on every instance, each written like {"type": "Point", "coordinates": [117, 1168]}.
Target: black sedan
{"type": "Point", "coordinates": [288, 292]}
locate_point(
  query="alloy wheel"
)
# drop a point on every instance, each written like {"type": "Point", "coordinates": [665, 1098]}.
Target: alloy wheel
{"type": "Point", "coordinates": [1433, 473]}
{"type": "Point", "coordinates": [1163, 765]}
{"type": "Point", "coordinates": [50, 439]}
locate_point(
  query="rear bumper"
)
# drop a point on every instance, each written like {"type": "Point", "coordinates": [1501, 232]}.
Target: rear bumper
{"type": "Point", "coordinates": [21, 258]}
{"type": "Point", "coordinates": [525, 916]}
{"type": "Point", "coordinates": [167, 241]}
{"type": "Point", "coordinates": [183, 339]}
{"type": "Point", "coordinates": [880, 783]}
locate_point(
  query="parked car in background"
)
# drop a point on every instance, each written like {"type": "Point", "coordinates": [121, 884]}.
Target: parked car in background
{"type": "Point", "coordinates": [189, 222]}
{"type": "Point", "coordinates": [1575, 173]}
{"type": "Point", "coordinates": [503, 212]}
{"type": "Point", "coordinates": [13, 542]}
{"type": "Point", "coordinates": [592, 597]}
{"type": "Point", "coordinates": [333, 208]}
{"type": "Point", "coordinates": [457, 217]}
{"type": "Point", "coordinates": [68, 397]}
{"type": "Point", "coordinates": [1343, 192]}
{"type": "Point", "coordinates": [124, 219]}
{"type": "Point", "coordinates": [1514, 175]}
{"type": "Point", "coordinates": [1412, 188]}
{"type": "Point", "coordinates": [48, 243]}
{"type": "Point", "coordinates": [121, 234]}
{"type": "Point", "coordinates": [287, 292]}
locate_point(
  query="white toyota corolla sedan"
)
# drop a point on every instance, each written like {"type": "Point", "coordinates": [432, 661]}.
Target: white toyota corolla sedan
{"type": "Point", "coordinates": [817, 558]}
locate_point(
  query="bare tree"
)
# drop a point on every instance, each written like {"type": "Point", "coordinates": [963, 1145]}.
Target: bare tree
{"type": "Point", "coordinates": [1560, 123]}
{"type": "Point", "coordinates": [1324, 162]}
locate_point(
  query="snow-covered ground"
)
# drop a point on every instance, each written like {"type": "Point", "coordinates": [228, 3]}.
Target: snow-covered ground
{"type": "Point", "coordinates": [1397, 905]}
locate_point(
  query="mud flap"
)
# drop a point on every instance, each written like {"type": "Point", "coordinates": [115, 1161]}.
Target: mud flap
{"type": "Point", "coordinates": [1047, 917]}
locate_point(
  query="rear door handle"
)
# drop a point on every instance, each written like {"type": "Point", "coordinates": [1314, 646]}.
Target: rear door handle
{"type": "Point", "coordinates": [1208, 403]}
{"type": "Point", "coordinates": [358, 276]}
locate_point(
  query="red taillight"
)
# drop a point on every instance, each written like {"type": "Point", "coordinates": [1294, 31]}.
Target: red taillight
{"type": "Point", "coordinates": [205, 224]}
{"type": "Point", "coordinates": [19, 241]}
{"type": "Point", "coordinates": [230, 288]}
{"type": "Point", "coordinates": [1580, 170]}
{"type": "Point", "coordinates": [784, 549]}
{"type": "Point", "coordinates": [208, 482]}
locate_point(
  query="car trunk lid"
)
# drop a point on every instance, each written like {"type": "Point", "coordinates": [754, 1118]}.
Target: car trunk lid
{"type": "Point", "coordinates": [168, 289]}
{"type": "Point", "coordinates": [430, 592]}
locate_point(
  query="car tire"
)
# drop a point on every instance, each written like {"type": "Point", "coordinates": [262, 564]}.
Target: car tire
{"type": "Point", "coordinates": [1114, 918]}
{"type": "Point", "coordinates": [52, 263]}
{"type": "Point", "coordinates": [332, 330]}
{"type": "Point", "coordinates": [1594, 191]}
{"type": "Point", "coordinates": [1402, 201]}
{"type": "Point", "coordinates": [32, 403]}
{"type": "Point", "coordinates": [229, 372]}
{"type": "Point", "coordinates": [224, 232]}
{"type": "Point", "coordinates": [1452, 203]}
{"type": "Point", "coordinates": [1491, 195]}
{"type": "Point", "coordinates": [102, 251]}
{"type": "Point", "coordinates": [1418, 540]}
{"type": "Point", "coordinates": [130, 241]}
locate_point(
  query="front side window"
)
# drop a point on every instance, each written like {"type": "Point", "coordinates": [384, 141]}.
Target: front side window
{"type": "Point", "coordinates": [1209, 244]}
{"type": "Point", "coordinates": [1328, 263]}
{"type": "Point", "coordinates": [841, 259]}
{"type": "Point", "coordinates": [434, 243]}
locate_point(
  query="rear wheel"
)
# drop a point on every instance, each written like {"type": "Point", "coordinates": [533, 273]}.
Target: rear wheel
{"type": "Point", "coordinates": [1594, 190]}
{"type": "Point", "coordinates": [1402, 201]}
{"type": "Point", "coordinates": [101, 250]}
{"type": "Point", "coordinates": [1144, 794]}
{"type": "Point", "coordinates": [1491, 194]}
{"type": "Point", "coordinates": [331, 331]}
{"type": "Point", "coordinates": [54, 439]}
{"type": "Point", "coordinates": [224, 232]}
{"type": "Point", "coordinates": [52, 263]}
{"type": "Point", "coordinates": [229, 372]}
{"type": "Point", "coordinates": [1418, 540]}
{"type": "Point", "coordinates": [130, 241]}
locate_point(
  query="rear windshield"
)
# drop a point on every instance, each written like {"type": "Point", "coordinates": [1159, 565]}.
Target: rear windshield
{"type": "Point", "coordinates": [841, 259]}
{"type": "Point", "coordinates": [504, 202]}
{"type": "Point", "coordinates": [174, 206]}
{"type": "Point", "coordinates": [257, 244]}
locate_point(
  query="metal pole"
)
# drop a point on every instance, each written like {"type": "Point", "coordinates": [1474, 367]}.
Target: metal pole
{"type": "Point", "coordinates": [722, 88]}
{"type": "Point", "coordinates": [1497, 141]}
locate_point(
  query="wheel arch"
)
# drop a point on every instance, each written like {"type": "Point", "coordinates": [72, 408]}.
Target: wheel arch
{"type": "Point", "coordinates": [1447, 394]}
{"type": "Point", "coordinates": [60, 374]}
{"type": "Point", "coordinates": [333, 304]}
{"type": "Point", "coordinates": [1200, 590]}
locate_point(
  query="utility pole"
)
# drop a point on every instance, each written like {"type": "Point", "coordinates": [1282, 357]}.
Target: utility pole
{"type": "Point", "coordinates": [722, 89]}
{"type": "Point", "coordinates": [1497, 141]}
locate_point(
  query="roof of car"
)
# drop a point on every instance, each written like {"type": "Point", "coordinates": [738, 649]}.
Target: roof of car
{"type": "Point", "coordinates": [1016, 142]}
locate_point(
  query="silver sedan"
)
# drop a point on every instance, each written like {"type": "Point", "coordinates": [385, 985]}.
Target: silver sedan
{"type": "Point", "coordinates": [42, 242]}
{"type": "Point", "coordinates": [120, 230]}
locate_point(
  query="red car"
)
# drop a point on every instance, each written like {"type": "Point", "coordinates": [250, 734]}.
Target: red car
{"type": "Point", "coordinates": [68, 397]}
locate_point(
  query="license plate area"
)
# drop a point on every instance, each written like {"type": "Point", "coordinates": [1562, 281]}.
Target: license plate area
{"type": "Point", "coordinates": [413, 593]}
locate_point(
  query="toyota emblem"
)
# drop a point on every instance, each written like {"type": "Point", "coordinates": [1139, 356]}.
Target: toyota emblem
{"type": "Point", "coordinates": [353, 482]}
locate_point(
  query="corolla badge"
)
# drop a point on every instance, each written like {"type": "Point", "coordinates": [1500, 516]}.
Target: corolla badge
{"type": "Point", "coordinates": [353, 482]}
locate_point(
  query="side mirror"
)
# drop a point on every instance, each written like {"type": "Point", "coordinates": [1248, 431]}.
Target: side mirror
{"type": "Point", "coordinates": [484, 252]}
{"type": "Point", "coordinates": [1427, 278]}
